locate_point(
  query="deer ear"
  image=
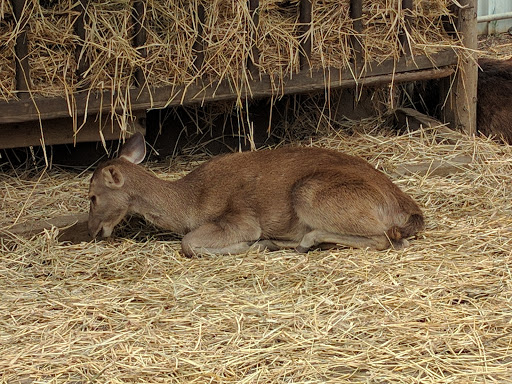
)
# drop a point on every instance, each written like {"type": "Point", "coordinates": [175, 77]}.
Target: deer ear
{"type": "Point", "coordinates": [112, 177]}
{"type": "Point", "coordinates": [134, 150]}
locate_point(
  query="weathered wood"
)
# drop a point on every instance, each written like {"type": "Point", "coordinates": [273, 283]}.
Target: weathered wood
{"type": "Point", "coordinates": [306, 34]}
{"type": "Point", "coordinates": [404, 42]}
{"type": "Point", "coordinates": [461, 100]}
{"type": "Point", "coordinates": [79, 26]}
{"type": "Point", "coordinates": [139, 37]}
{"type": "Point", "coordinates": [356, 14]}
{"type": "Point", "coordinates": [304, 82]}
{"type": "Point", "coordinates": [410, 119]}
{"type": "Point", "coordinates": [198, 47]}
{"type": "Point", "coordinates": [21, 51]}
{"type": "Point", "coordinates": [59, 131]}
{"type": "Point", "coordinates": [436, 167]}
{"type": "Point", "coordinates": [253, 60]}
{"type": "Point", "coordinates": [72, 228]}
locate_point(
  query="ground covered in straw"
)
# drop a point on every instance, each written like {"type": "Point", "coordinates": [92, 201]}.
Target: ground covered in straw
{"type": "Point", "coordinates": [133, 309]}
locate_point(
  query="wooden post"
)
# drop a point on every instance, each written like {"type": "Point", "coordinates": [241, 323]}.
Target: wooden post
{"type": "Point", "coordinates": [460, 110]}
{"type": "Point", "coordinates": [404, 42]}
{"type": "Point", "coordinates": [139, 37]}
{"type": "Point", "coordinates": [199, 45]}
{"type": "Point", "coordinates": [21, 51]}
{"type": "Point", "coordinates": [356, 13]}
{"type": "Point", "coordinates": [81, 7]}
{"type": "Point", "coordinates": [305, 21]}
{"type": "Point", "coordinates": [253, 61]}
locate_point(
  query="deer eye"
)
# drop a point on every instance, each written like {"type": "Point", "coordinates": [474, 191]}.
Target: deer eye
{"type": "Point", "coordinates": [93, 199]}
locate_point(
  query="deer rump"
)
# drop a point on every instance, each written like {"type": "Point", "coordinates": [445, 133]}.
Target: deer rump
{"type": "Point", "coordinates": [494, 107]}
{"type": "Point", "coordinates": [288, 197]}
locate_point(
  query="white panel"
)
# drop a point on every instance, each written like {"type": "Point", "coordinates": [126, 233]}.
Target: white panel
{"type": "Point", "coordinates": [492, 7]}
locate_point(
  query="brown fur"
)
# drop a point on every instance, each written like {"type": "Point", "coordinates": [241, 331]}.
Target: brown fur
{"type": "Point", "coordinates": [494, 107]}
{"type": "Point", "coordinates": [288, 197]}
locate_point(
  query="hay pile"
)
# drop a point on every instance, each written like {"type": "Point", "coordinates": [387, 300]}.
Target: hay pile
{"type": "Point", "coordinates": [133, 309]}
{"type": "Point", "coordinates": [52, 46]}
{"type": "Point", "coordinates": [7, 54]}
{"type": "Point", "coordinates": [182, 47]}
{"type": "Point", "coordinates": [384, 21]}
{"type": "Point", "coordinates": [332, 31]}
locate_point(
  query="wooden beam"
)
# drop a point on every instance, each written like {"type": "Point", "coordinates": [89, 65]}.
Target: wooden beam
{"type": "Point", "coordinates": [306, 34]}
{"type": "Point", "coordinates": [254, 59]}
{"type": "Point", "coordinates": [304, 82]}
{"type": "Point", "coordinates": [461, 100]}
{"type": "Point", "coordinates": [21, 50]}
{"type": "Point", "coordinates": [404, 42]}
{"type": "Point", "coordinates": [60, 131]}
{"type": "Point", "coordinates": [356, 14]}
{"type": "Point", "coordinates": [80, 6]}
{"type": "Point", "coordinates": [139, 37]}
{"type": "Point", "coordinates": [199, 47]}
{"type": "Point", "coordinates": [72, 228]}
{"type": "Point", "coordinates": [457, 164]}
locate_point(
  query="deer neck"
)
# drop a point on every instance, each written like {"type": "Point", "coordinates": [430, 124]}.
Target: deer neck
{"type": "Point", "coordinates": [163, 203]}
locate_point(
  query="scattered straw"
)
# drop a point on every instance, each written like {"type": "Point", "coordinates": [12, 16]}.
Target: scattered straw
{"type": "Point", "coordinates": [133, 309]}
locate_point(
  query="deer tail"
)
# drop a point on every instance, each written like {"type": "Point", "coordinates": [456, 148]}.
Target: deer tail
{"type": "Point", "coordinates": [414, 224]}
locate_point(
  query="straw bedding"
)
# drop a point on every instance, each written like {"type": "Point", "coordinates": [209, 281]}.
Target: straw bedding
{"type": "Point", "coordinates": [133, 309]}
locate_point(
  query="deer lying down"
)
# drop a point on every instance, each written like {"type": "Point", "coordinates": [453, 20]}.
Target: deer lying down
{"type": "Point", "coordinates": [287, 197]}
{"type": "Point", "coordinates": [493, 111]}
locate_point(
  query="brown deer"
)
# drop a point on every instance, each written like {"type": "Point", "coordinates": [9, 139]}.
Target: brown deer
{"type": "Point", "coordinates": [281, 198]}
{"type": "Point", "coordinates": [494, 107]}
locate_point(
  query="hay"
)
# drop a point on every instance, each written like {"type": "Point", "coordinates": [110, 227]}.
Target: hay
{"type": "Point", "coordinates": [495, 46]}
{"type": "Point", "coordinates": [171, 33]}
{"type": "Point", "coordinates": [384, 21]}
{"type": "Point", "coordinates": [332, 31]}
{"type": "Point", "coordinates": [226, 39]}
{"type": "Point", "coordinates": [52, 45]}
{"type": "Point", "coordinates": [132, 309]}
{"type": "Point", "coordinates": [108, 51]}
{"type": "Point", "coordinates": [278, 40]}
{"type": "Point", "coordinates": [7, 54]}
{"type": "Point", "coordinates": [110, 61]}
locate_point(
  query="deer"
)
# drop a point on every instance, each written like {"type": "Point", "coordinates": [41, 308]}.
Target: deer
{"type": "Point", "coordinates": [494, 115]}
{"type": "Point", "coordinates": [270, 199]}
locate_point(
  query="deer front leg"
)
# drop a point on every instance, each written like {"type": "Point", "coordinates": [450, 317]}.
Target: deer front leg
{"type": "Point", "coordinates": [235, 234]}
{"type": "Point", "coordinates": [318, 236]}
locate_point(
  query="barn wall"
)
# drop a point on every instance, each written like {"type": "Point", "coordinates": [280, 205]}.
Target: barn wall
{"type": "Point", "coordinates": [492, 7]}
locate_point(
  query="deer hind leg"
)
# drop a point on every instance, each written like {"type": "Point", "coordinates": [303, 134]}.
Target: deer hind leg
{"type": "Point", "coordinates": [233, 234]}
{"type": "Point", "coordinates": [318, 236]}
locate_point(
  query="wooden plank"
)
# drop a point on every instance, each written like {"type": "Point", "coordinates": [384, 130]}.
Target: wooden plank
{"type": "Point", "coordinates": [410, 119]}
{"type": "Point", "coordinates": [80, 6]}
{"type": "Point", "coordinates": [306, 34]}
{"type": "Point", "coordinates": [21, 50]}
{"type": "Point", "coordinates": [356, 14]}
{"type": "Point", "coordinates": [404, 42]}
{"type": "Point", "coordinates": [254, 59]}
{"type": "Point", "coordinates": [160, 97]}
{"type": "Point", "coordinates": [461, 99]}
{"type": "Point", "coordinates": [59, 131]}
{"type": "Point", "coordinates": [199, 47]}
{"type": "Point", "coordinates": [72, 228]}
{"type": "Point", "coordinates": [436, 167]}
{"type": "Point", "coordinates": [139, 37]}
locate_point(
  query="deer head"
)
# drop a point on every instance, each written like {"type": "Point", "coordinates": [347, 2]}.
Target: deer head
{"type": "Point", "coordinates": [109, 191]}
